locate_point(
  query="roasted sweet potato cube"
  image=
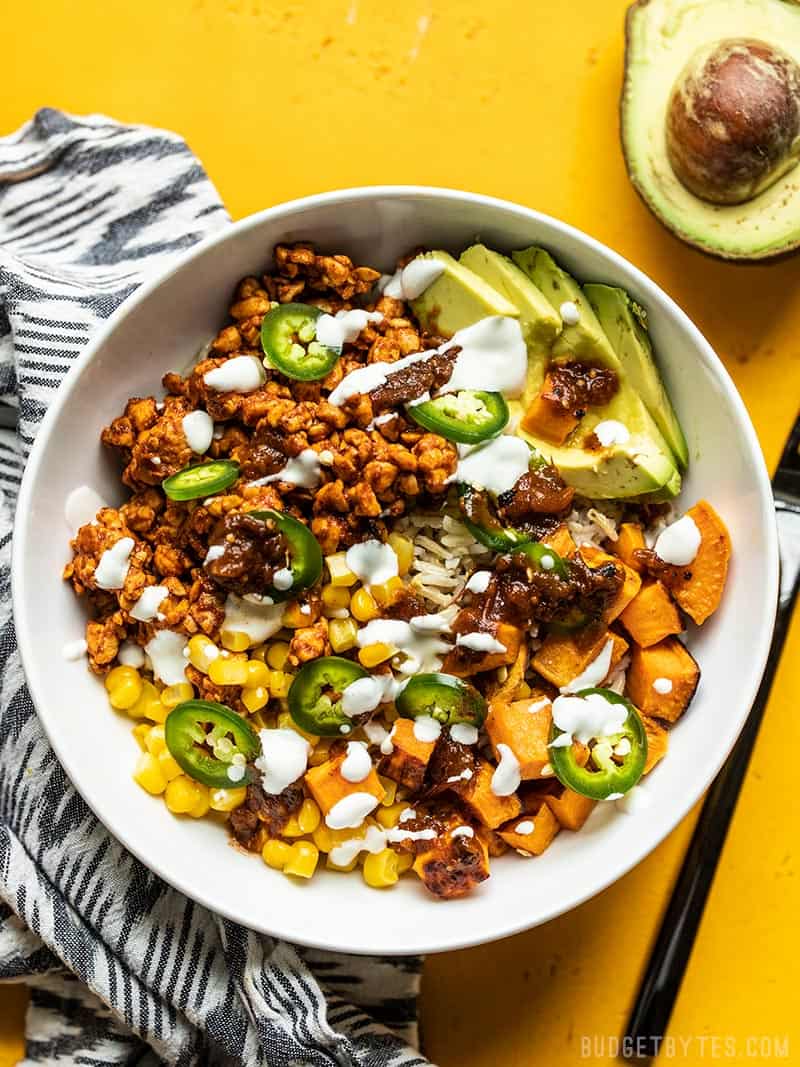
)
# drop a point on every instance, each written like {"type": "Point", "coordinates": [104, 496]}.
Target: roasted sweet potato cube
{"type": "Point", "coordinates": [630, 537]}
{"type": "Point", "coordinates": [546, 418]}
{"type": "Point", "coordinates": [631, 581]}
{"type": "Point", "coordinates": [563, 657]}
{"type": "Point", "coordinates": [698, 587]}
{"type": "Point", "coordinates": [407, 762]}
{"type": "Point", "coordinates": [327, 785]}
{"type": "Point", "coordinates": [560, 540]}
{"type": "Point", "coordinates": [453, 865]}
{"type": "Point", "coordinates": [532, 833]}
{"type": "Point", "coordinates": [488, 809]}
{"type": "Point", "coordinates": [570, 808]}
{"type": "Point", "coordinates": [665, 666]}
{"type": "Point", "coordinates": [508, 635]}
{"type": "Point", "coordinates": [524, 726]}
{"type": "Point", "coordinates": [651, 615]}
{"type": "Point", "coordinates": [657, 742]}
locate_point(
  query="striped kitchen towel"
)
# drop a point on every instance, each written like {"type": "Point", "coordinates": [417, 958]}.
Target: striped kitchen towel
{"type": "Point", "coordinates": [122, 968]}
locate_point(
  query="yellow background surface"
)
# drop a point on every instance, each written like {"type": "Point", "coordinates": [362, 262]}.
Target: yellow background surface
{"type": "Point", "coordinates": [517, 99]}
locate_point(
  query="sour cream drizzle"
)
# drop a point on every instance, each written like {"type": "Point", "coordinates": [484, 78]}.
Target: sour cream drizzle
{"type": "Point", "coordinates": [595, 673]}
{"type": "Point", "coordinates": [349, 812]}
{"type": "Point", "coordinates": [372, 562]}
{"type": "Point", "coordinates": [198, 429]}
{"type": "Point", "coordinates": [365, 694]}
{"type": "Point", "coordinates": [678, 543]}
{"type": "Point", "coordinates": [345, 326]}
{"type": "Point", "coordinates": [258, 621]}
{"type": "Point", "coordinates": [480, 642]}
{"type": "Point", "coordinates": [427, 729]}
{"type": "Point", "coordinates": [610, 432]}
{"type": "Point", "coordinates": [146, 607]}
{"type": "Point", "coordinates": [165, 650]}
{"type": "Point", "coordinates": [478, 582]}
{"type": "Point", "coordinates": [497, 466]}
{"type": "Point", "coordinates": [464, 733]}
{"type": "Point", "coordinates": [584, 718]}
{"type": "Point", "coordinates": [357, 764]}
{"type": "Point", "coordinates": [374, 841]}
{"type": "Point", "coordinates": [506, 777]}
{"type": "Point", "coordinates": [662, 686]}
{"type": "Point", "coordinates": [242, 374]}
{"type": "Point", "coordinates": [412, 280]}
{"type": "Point", "coordinates": [420, 651]}
{"type": "Point", "coordinates": [284, 757]}
{"type": "Point", "coordinates": [302, 470]}
{"type": "Point", "coordinates": [112, 569]}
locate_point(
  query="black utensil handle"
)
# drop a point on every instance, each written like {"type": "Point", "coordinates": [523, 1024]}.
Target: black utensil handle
{"type": "Point", "coordinates": [667, 964]}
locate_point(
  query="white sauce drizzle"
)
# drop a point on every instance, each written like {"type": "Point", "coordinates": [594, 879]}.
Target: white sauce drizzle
{"type": "Point", "coordinates": [463, 831]}
{"type": "Point", "coordinates": [165, 650]}
{"type": "Point", "coordinates": [242, 374]}
{"type": "Point", "coordinates": [610, 432]}
{"type": "Point", "coordinates": [258, 620]}
{"type": "Point", "coordinates": [594, 673]}
{"type": "Point", "coordinates": [538, 705]}
{"type": "Point", "coordinates": [198, 429]}
{"type": "Point", "coordinates": [524, 827]}
{"type": "Point", "coordinates": [584, 718]}
{"type": "Point", "coordinates": [398, 834]}
{"type": "Point", "coordinates": [427, 729]}
{"type": "Point", "coordinates": [376, 734]}
{"type": "Point", "coordinates": [365, 694]}
{"type": "Point", "coordinates": [131, 654]}
{"type": "Point", "coordinates": [496, 466]}
{"type": "Point", "coordinates": [357, 764]}
{"type": "Point", "coordinates": [112, 569]}
{"type": "Point", "coordinates": [146, 607]}
{"type": "Point", "coordinates": [464, 733]}
{"type": "Point", "coordinates": [214, 552]}
{"type": "Point", "coordinates": [283, 579]}
{"type": "Point", "coordinates": [436, 624]}
{"type": "Point", "coordinates": [420, 651]}
{"type": "Point", "coordinates": [679, 542]}
{"type": "Point", "coordinates": [343, 327]}
{"type": "Point", "coordinates": [74, 650]}
{"type": "Point", "coordinates": [302, 470]}
{"type": "Point", "coordinates": [387, 748]}
{"type": "Point", "coordinates": [284, 757]}
{"type": "Point", "coordinates": [374, 841]}
{"type": "Point", "coordinates": [413, 279]}
{"type": "Point", "coordinates": [81, 507]}
{"type": "Point", "coordinates": [478, 581]}
{"type": "Point", "coordinates": [480, 642]}
{"type": "Point", "coordinates": [372, 562]}
{"type": "Point", "coordinates": [506, 777]}
{"type": "Point", "coordinates": [349, 812]}
{"type": "Point", "coordinates": [662, 686]}
{"type": "Point", "coordinates": [570, 313]}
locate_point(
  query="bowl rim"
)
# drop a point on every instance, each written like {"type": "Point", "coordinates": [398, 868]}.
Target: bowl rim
{"type": "Point", "coordinates": [492, 930]}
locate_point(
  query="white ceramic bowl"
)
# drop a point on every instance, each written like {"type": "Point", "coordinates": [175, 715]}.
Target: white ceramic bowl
{"type": "Point", "coordinates": [159, 328]}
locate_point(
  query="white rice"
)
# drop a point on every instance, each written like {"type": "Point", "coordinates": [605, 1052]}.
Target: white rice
{"type": "Point", "coordinates": [445, 553]}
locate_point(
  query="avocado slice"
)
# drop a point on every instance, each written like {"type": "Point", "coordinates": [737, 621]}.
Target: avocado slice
{"type": "Point", "coordinates": [665, 37]}
{"type": "Point", "coordinates": [458, 298]}
{"type": "Point", "coordinates": [644, 464]}
{"type": "Point", "coordinates": [624, 324]}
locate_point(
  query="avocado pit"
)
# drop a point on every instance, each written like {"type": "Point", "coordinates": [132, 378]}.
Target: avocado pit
{"type": "Point", "coordinates": [733, 120]}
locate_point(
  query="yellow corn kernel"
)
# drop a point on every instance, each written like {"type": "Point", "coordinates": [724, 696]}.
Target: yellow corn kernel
{"type": "Point", "coordinates": [340, 574]}
{"type": "Point", "coordinates": [202, 651]}
{"type": "Point", "coordinates": [362, 606]}
{"type": "Point", "coordinates": [309, 815]}
{"type": "Point", "coordinates": [380, 869]}
{"type": "Point", "coordinates": [203, 802]}
{"type": "Point", "coordinates": [390, 788]}
{"type": "Point", "coordinates": [149, 775]}
{"type": "Point", "coordinates": [156, 712]}
{"type": "Point", "coordinates": [323, 837]}
{"type": "Point", "coordinates": [169, 767]}
{"type": "Point", "coordinates": [228, 670]}
{"type": "Point", "coordinates": [176, 694]}
{"type": "Point", "coordinates": [291, 828]}
{"type": "Point", "coordinates": [405, 861]}
{"type": "Point", "coordinates": [182, 795]}
{"type": "Point", "coordinates": [143, 707]}
{"type": "Point", "coordinates": [124, 687]}
{"type": "Point", "coordinates": [154, 739]}
{"type": "Point", "coordinates": [320, 752]}
{"type": "Point", "coordinates": [140, 732]}
{"type": "Point", "coordinates": [342, 634]}
{"type": "Point", "coordinates": [227, 799]}
{"type": "Point", "coordinates": [284, 721]}
{"type": "Point", "coordinates": [259, 653]}
{"type": "Point", "coordinates": [372, 655]}
{"type": "Point", "coordinates": [390, 816]}
{"type": "Point", "coordinates": [276, 853]}
{"type": "Point", "coordinates": [255, 698]}
{"type": "Point", "coordinates": [404, 550]}
{"type": "Point", "coordinates": [234, 640]}
{"type": "Point", "coordinates": [294, 618]}
{"type": "Point", "coordinates": [277, 655]}
{"type": "Point", "coordinates": [257, 674]}
{"type": "Point", "coordinates": [303, 859]}
{"type": "Point", "coordinates": [384, 593]}
{"type": "Point", "coordinates": [334, 597]}
{"type": "Point", "coordinates": [279, 682]}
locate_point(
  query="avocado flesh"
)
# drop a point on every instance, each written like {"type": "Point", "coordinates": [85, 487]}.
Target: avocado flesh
{"type": "Point", "coordinates": [457, 299]}
{"type": "Point", "coordinates": [662, 35]}
{"type": "Point", "coordinates": [625, 329]}
{"type": "Point", "coordinates": [644, 464]}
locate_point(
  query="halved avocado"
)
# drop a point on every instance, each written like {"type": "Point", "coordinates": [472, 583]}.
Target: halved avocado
{"type": "Point", "coordinates": [625, 326]}
{"type": "Point", "coordinates": [644, 464]}
{"type": "Point", "coordinates": [457, 299]}
{"type": "Point", "coordinates": [710, 117]}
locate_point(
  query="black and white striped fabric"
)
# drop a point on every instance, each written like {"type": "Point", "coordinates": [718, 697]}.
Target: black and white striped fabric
{"type": "Point", "coordinates": [122, 968]}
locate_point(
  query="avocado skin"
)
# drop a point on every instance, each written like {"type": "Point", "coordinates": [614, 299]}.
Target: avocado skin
{"type": "Point", "coordinates": [457, 299]}
{"type": "Point", "coordinates": [643, 466]}
{"type": "Point", "coordinates": [628, 335]}
{"type": "Point", "coordinates": [639, 10]}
